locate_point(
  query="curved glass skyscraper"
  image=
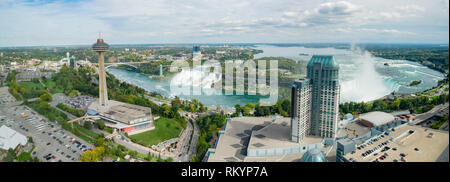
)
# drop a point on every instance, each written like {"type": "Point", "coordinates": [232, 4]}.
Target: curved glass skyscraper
{"type": "Point", "coordinates": [315, 100]}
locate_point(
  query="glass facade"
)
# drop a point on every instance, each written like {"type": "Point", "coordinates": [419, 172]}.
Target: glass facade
{"type": "Point", "coordinates": [322, 107]}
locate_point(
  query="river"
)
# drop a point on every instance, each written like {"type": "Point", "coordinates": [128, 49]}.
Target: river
{"type": "Point", "coordinates": [363, 77]}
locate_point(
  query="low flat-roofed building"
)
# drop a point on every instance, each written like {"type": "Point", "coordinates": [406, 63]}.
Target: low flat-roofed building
{"type": "Point", "coordinates": [275, 139]}
{"type": "Point", "coordinates": [129, 114]}
{"type": "Point", "coordinates": [259, 139]}
{"type": "Point", "coordinates": [344, 146]}
{"type": "Point", "coordinates": [10, 138]}
{"type": "Point", "coordinates": [354, 130]}
{"type": "Point", "coordinates": [28, 75]}
{"type": "Point", "coordinates": [376, 118]}
{"type": "Point", "coordinates": [128, 118]}
{"type": "Point", "coordinates": [379, 120]}
{"type": "Point", "coordinates": [407, 143]}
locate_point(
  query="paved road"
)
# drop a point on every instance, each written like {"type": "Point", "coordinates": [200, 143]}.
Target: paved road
{"type": "Point", "coordinates": [183, 143]}
{"type": "Point", "coordinates": [190, 149]}
{"type": "Point", "coordinates": [423, 117]}
{"type": "Point", "coordinates": [193, 146]}
{"type": "Point", "coordinates": [12, 104]}
{"type": "Point", "coordinates": [158, 102]}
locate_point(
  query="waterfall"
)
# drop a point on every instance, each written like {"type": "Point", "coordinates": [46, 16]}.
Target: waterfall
{"type": "Point", "coordinates": [365, 83]}
{"type": "Point", "coordinates": [197, 77]}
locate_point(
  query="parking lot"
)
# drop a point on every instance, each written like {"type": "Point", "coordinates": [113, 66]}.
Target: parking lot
{"type": "Point", "coordinates": [79, 102]}
{"type": "Point", "coordinates": [5, 96]}
{"type": "Point", "coordinates": [53, 144]}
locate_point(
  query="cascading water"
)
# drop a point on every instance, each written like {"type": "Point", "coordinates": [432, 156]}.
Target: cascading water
{"type": "Point", "coordinates": [197, 77]}
{"type": "Point", "coordinates": [362, 82]}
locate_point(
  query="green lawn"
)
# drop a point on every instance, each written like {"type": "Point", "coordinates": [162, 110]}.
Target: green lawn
{"type": "Point", "coordinates": [32, 89]}
{"type": "Point", "coordinates": [109, 130]}
{"type": "Point", "coordinates": [86, 131]}
{"type": "Point", "coordinates": [31, 85]}
{"type": "Point", "coordinates": [26, 156]}
{"type": "Point", "coordinates": [165, 129]}
{"type": "Point", "coordinates": [52, 85]}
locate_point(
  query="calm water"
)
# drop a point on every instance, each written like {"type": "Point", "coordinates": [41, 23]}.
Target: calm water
{"type": "Point", "coordinates": [163, 87]}
{"type": "Point", "coordinates": [362, 76]}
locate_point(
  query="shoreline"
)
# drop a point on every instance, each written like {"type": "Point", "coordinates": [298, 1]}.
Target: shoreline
{"type": "Point", "coordinates": [392, 94]}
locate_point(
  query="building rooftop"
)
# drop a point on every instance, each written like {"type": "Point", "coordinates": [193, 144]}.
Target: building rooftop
{"type": "Point", "coordinates": [277, 135]}
{"type": "Point", "coordinates": [245, 133]}
{"type": "Point", "coordinates": [122, 112]}
{"type": "Point", "coordinates": [355, 130]}
{"type": "Point", "coordinates": [302, 82]}
{"type": "Point", "coordinates": [232, 145]}
{"type": "Point", "coordinates": [377, 118]}
{"type": "Point", "coordinates": [408, 142]}
{"type": "Point", "coordinates": [326, 60]}
{"type": "Point", "coordinates": [9, 138]}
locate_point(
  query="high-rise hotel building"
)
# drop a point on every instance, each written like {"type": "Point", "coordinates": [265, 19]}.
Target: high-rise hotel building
{"type": "Point", "coordinates": [301, 109]}
{"type": "Point", "coordinates": [315, 100]}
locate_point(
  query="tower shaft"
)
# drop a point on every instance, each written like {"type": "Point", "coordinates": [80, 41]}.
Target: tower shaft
{"type": "Point", "coordinates": [103, 90]}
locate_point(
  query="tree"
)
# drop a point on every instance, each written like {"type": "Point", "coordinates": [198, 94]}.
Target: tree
{"type": "Point", "coordinates": [89, 156]}
{"type": "Point", "coordinates": [192, 107]}
{"type": "Point", "coordinates": [166, 109]}
{"type": "Point", "coordinates": [35, 159]}
{"type": "Point", "coordinates": [286, 105]}
{"type": "Point", "coordinates": [44, 105]}
{"type": "Point", "coordinates": [46, 97]}
{"type": "Point", "coordinates": [30, 139]}
{"type": "Point", "coordinates": [405, 104]}
{"type": "Point", "coordinates": [202, 108]}
{"type": "Point", "coordinates": [74, 93]}
{"type": "Point", "coordinates": [100, 124]}
{"type": "Point", "coordinates": [176, 103]}
{"type": "Point", "coordinates": [149, 156]}
{"type": "Point", "coordinates": [10, 155]}
{"type": "Point", "coordinates": [87, 125]}
{"type": "Point", "coordinates": [195, 101]}
{"type": "Point", "coordinates": [133, 154]}
{"type": "Point", "coordinates": [395, 104]}
{"type": "Point", "coordinates": [99, 142]}
{"type": "Point", "coordinates": [93, 155]}
{"type": "Point", "coordinates": [238, 108]}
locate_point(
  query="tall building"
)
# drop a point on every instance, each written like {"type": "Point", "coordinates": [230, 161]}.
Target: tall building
{"type": "Point", "coordinates": [72, 61]}
{"type": "Point", "coordinates": [315, 100]}
{"type": "Point", "coordinates": [196, 53]}
{"type": "Point", "coordinates": [100, 47]}
{"type": "Point", "coordinates": [300, 125]}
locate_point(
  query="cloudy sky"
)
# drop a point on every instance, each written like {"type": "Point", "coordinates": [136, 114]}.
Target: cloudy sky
{"type": "Point", "coordinates": [69, 22]}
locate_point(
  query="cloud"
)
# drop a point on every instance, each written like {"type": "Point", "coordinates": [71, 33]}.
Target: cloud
{"type": "Point", "coordinates": [337, 8]}
{"type": "Point", "coordinates": [386, 31]}
{"type": "Point", "coordinates": [46, 22]}
{"type": "Point", "coordinates": [325, 14]}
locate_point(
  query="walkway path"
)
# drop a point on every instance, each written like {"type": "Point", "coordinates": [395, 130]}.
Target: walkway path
{"type": "Point", "coordinates": [141, 149]}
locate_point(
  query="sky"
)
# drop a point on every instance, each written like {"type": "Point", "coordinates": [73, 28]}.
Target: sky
{"type": "Point", "coordinates": [70, 22]}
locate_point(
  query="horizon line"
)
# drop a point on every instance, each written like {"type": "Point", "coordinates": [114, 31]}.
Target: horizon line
{"type": "Point", "coordinates": [222, 43]}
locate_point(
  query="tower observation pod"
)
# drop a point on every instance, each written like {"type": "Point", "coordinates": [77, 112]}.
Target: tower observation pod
{"type": "Point", "coordinates": [101, 47]}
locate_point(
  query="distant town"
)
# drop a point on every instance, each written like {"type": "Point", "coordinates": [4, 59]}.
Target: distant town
{"type": "Point", "coordinates": [67, 104]}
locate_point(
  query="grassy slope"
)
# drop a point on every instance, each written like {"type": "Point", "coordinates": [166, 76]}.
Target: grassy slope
{"type": "Point", "coordinates": [165, 128]}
